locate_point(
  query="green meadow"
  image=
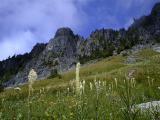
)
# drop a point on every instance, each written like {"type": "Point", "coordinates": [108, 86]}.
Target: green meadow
{"type": "Point", "coordinates": [110, 89]}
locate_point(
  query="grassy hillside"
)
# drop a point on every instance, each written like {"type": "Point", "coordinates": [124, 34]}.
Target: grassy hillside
{"type": "Point", "coordinates": [110, 89]}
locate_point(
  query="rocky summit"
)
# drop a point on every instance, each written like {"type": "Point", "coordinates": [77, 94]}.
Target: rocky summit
{"type": "Point", "coordinates": [66, 48]}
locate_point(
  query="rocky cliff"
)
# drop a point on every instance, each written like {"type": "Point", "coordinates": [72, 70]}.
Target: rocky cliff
{"type": "Point", "coordinates": [66, 48]}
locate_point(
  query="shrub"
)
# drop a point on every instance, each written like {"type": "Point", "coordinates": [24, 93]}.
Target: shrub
{"type": "Point", "coordinates": [54, 74]}
{"type": "Point", "coordinates": [1, 88]}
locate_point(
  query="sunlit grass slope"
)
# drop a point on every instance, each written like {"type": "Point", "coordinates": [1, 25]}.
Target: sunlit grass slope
{"type": "Point", "coordinates": [56, 98]}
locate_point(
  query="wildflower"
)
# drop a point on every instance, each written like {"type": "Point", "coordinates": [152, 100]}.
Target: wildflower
{"type": "Point", "coordinates": [91, 86]}
{"type": "Point", "coordinates": [116, 82]}
{"type": "Point", "coordinates": [83, 85]}
{"type": "Point", "coordinates": [71, 82]}
{"type": "Point", "coordinates": [71, 114]}
{"type": "Point", "coordinates": [68, 89]}
{"type": "Point", "coordinates": [152, 81]}
{"type": "Point", "coordinates": [64, 117]}
{"type": "Point", "coordinates": [149, 81]}
{"type": "Point", "coordinates": [43, 89]}
{"type": "Point", "coordinates": [84, 82]}
{"type": "Point", "coordinates": [107, 94]}
{"type": "Point", "coordinates": [3, 100]}
{"type": "Point", "coordinates": [133, 82]}
{"type": "Point", "coordinates": [110, 87]}
{"type": "Point", "coordinates": [73, 88]}
{"type": "Point", "coordinates": [96, 84]}
{"type": "Point", "coordinates": [124, 81]}
{"type": "Point", "coordinates": [1, 115]}
{"type": "Point", "coordinates": [31, 78]}
{"type": "Point", "coordinates": [77, 78]}
{"type": "Point", "coordinates": [80, 88]}
{"type": "Point", "coordinates": [103, 83]}
{"type": "Point", "coordinates": [111, 116]}
{"type": "Point", "coordinates": [51, 103]}
{"type": "Point", "coordinates": [77, 71]}
{"type": "Point", "coordinates": [99, 82]}
{"type": "Point", "coordinates": [19, 116]}
{"type": "Point", "coordinates": [48, 88]}
{"type": "Point", "coordinates": [46, 113]}
{"type": "Point", "coordinates": [95, 81]}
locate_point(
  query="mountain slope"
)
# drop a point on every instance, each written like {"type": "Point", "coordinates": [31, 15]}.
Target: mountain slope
{"type": "Point", "coordinates": [56, 97]}
{"type": "Point", "coordinates": [66, 48]}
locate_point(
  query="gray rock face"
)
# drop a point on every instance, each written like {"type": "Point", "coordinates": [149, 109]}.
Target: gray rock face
{"type": "Point", "coordinates": [63, 44]}
{"type": "Point", "coordinates": [66, 48]}
{"type": "Point", "coordinates": [58, 55]}
{"type": "Point", "coordinates": [152, 106]}
{"type": "Point", "coordinates": [64, 32]}
{"type": "Point", "coordinates": [38, 48]}
{"type": "Point", "coordinates": [22, 75]}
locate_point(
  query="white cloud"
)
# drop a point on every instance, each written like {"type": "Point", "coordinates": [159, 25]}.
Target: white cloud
{"type": "Point", "coordinates": [21, 42]}
{"type": "Point", "coordinates": [40, 18]}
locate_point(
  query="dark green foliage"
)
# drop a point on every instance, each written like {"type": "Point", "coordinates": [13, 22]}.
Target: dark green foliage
{"type": "Point", "coordinates": [157, 38]}
{"type": "Point", "coordinates": [107, 48]}
{"type": "Point", "coordinates": [148, 21]}
{"type": "Point", "coordinates": [156, 9]}
{"type": "Point", "coordinates": [124, 44]}
{"type": "Point", "coordinates": [97, 54]}
{"type": "Point", "coordinates": [56, 63]}
{"type": "Point", "coordinates": [1, 88]}
{"type": "Point", "coordinates": [126, 93]}
{"type": "Point", "coordinates": [84, 59]}
{"type": "Point", "coordinates": [145, 21]}
{"type": "Point", "coordinates": [54, 74]}
{"type": "Point", "coordinates": [12, 65]}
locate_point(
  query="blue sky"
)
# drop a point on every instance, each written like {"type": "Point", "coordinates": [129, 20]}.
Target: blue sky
{"type": "Point", "coordinates": [23, 23]}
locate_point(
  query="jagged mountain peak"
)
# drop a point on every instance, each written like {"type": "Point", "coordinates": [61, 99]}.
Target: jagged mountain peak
{"type": "Point", "coordinates": [156, 9]}
{"type": "Point", "coordinates": [64, 31]}
{"type": "Point", "coordinates": [63, 42]}
{"type": "Point", "coordinates": [149, 22]}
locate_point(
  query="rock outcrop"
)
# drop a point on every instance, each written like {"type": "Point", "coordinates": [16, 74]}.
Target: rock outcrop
{"type": "Point", "coordinates": [148, 27]}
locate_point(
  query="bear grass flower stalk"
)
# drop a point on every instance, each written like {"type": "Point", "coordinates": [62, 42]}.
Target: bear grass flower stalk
{"type": "Point", "coordinates": [116, 82]}
{"type": "Point", "coordinates": [91, 86]}
{"type": "Point", "coordinates": [83, 85]}
{"type": "Point", "coordinates": [133, 82]}
{"type": "Point", "coordinates": [32, 76]}
{"type": "Point", "coordinates": [149, 83]}
{"type": "Point", "coordinates": [80, 90]}
{"type": "Point", "coordinates": [77, 78]}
